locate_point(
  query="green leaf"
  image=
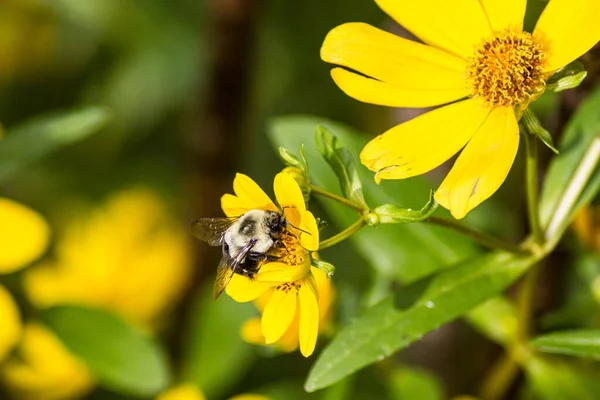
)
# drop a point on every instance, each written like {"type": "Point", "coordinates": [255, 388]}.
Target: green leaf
{"type": "Point", "coordinates": [216, 356]}
{"type": "Point", "coordinates": [342, 162]}
{"type": "Point", "coordinates": [553, 379]}
{"type": "Point", "coordinates": [412, 383]}
{"type": "Point", "coordinates": [31, 141]}
{"type": "Point", "coordinates": [404, 252]}
{"type": "Point", "coordinates": [496, 319]}
{"type": "Point", "coordinates": [384, 329]}
{"type": "Point", "coordinates": [532, 126]}
{"type": "Point", "coordinates": [120, 357]}
{"type": "Point", "coordinates": [573, 177]}
{"type": "Point", "coordinates": [565, 78]}
{"type": "Point", "coordinates": [581, 343]}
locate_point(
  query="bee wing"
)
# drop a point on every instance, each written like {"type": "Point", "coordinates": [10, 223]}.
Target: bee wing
{"type": "Point", "coordinates": [228, 266]}
{"type": "Point", "coordinates": [224, 274]}
{"type": "Point", "coordinates": [211, 230]}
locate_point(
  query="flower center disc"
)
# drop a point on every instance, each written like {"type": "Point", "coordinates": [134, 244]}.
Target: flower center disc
{"type": "Point", "coordinates": [507, 69]}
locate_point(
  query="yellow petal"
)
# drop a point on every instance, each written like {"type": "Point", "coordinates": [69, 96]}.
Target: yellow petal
{"type": "Point", "coordinates": [233, 206]}
{"type": "Point", "coordinates": [24, 235]}
{"type": "Point", "coordinates": [483, 165]}
{"type": "Point", "coordinates": [309, 319]}
{"type": "Point", "coordinates": [505, 14]}
{"type": "Point", "coordinates": [275, 273]}
{"type": "Point", "coordinates": [388, 94]}
{"type": "Point", "coordinates": [423, 143]}
{"type": "Point", "coordinates": [251, 195]}
{"type": "Point", "coordinates": [11, 323]}
{"type": "Point", "coordinates": [310, 240]}
{"type": "Point", "coordinates": [249, 396]}
{"type": "Point", "coordinates": [289, 196]}
{"type": "Point", "coordinates": [278, 314]}
{"type": "Point", "coordinates": [455, 26]}
{"type": "Point", "coordinates": [251, 331]}
{"type": "Point", "coordinates": [567, 29]}
{"type": "Point", "coordinates": [242, 289]}
{"type": "Point", "coordinates": [183, 391]}
{"type": "Point", "coordinates": [406, 73]}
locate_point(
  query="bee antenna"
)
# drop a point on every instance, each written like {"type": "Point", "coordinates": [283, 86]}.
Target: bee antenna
{"type": "Point", "coordinates": [292, 225]}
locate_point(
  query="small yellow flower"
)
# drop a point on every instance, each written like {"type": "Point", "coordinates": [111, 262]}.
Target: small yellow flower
{"type": "Point", "coordinates": [587, 227]}
{"type": "Point", "coordinates": [44, 369]}
{"type": "Point", "coordinates": [24, 237]}
{"type": "Point", "coordinates": [477, 60]}
{"type": "Point", "coordinates": [290, 278]}
{"type": "Point", "coordinates": [252, 329]}
{"type": "Point", "coordinates": [184, 391]}
{"type": "Point", "coordinates": [128, 256]}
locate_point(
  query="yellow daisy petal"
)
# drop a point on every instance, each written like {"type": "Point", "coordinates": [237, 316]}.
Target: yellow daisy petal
{"type": "Point", "coordinates": [251, 331]}
{"type": "Point", "coordinates": [373, 91]}
{"type": "Point", "coordinates": [413, 74]}
{"type": "Point", "coordinates": [310, 240]}
{"type": "Point", "coordinates": [505, 14]}
{"type": "Point", "coordinates": [11, 322]}
{"type": "Point", "coordinates": [483, 165]}
{"type": "Point", "coordinates": [455, 26]}
{"type": "Point", "coordinates": [289, 196]}
{"type": "Point", "coordinates": [251, 195]}
{"type": "Point", "coordinates": [567, 29]}
{"type": "Point", "coordinates": [423, 143]}
{"type": "Point", "coordinates": [278, 314]}
{"type": "Point", "coordinates": [183, 391]}
{"type": "Point", "coordinates": [242, 289]}
{"type": "Point", "coordinates": [233, 206]}
{"type": "Point", "coordinates": [24, 235]}
{"type": "Point", "coordinates": [277, 272]}
{"type": "Point", "coordinates": [309, 319]}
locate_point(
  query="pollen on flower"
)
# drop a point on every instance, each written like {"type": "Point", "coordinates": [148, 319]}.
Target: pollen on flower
{"type": "Point", "coordinates": [293, 253]}
{"type": "Point", "coordinates": [506, 69]}
{"type": "Point", "coordinates": [286, 287]}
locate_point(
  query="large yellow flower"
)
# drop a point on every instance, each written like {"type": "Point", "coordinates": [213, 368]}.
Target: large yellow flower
{"type": "Point", "coordinates": [477, 59]}
{"type": "Point", "coordinates": [293, 285]}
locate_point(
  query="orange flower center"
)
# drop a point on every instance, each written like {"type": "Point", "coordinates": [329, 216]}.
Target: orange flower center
{"type": "Point", "coordinates": [506, 70]}
{"type": "Point", "coordinates": [293, 253]}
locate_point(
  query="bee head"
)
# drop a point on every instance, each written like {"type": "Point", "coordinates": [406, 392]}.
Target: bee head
{"type": "Point", "coordinates": [276, 223]}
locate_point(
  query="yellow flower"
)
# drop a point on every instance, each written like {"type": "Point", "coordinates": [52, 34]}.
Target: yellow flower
{"type": "Point", "coordinates": [24, 237]}
{"type": "Point", "coordinates": [44, 369]}
{"type": "Point", "coordinates": [252, 330]}
{"type": "Point", "coordinates": [189, 391]}
{"type": "Point", "coordinates": [587, 227]}
{"type": "Point", "coordinates": [128, 256]}
{"type": "Point", "coordinates": [293, 283]}
{"type": "Point", "coordinates": [477, 60]}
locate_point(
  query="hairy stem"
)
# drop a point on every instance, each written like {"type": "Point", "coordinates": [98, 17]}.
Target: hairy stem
{"type": "Point", "coordinates": [343, 235]}
{"type": "Point", "coordinates": [322, 192]}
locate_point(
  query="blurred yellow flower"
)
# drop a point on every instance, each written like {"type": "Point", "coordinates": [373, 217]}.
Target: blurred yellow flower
{"type": "Point", "coordinates": [184, 391]}
{"type": "Point", "coordinates": [189, 391]}
{"type": "Point", "coordinates": [252, 330]}
{"type": "Point", "coordinates": [24, 235]}
{"type": "Point", "coordinates": [587, 227]}
{"type": "Point", "coordinates": [23, 238]}
{"type": "Point", "coordinates": [478, 62]}
{"type": "Point", "coordinates": [128, 256]}
{"type": "Point", "coordinates": [44, 369]}
{"type": "Point", "coordinates": [289, 279]}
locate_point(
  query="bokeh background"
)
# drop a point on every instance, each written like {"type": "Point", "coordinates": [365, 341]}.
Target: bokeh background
{"type": "Point", "coordinates": [130, 119]}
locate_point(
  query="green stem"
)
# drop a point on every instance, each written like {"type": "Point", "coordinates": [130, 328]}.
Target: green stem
{"type": "Point", "coordinates": [483, 238]}
{"type": "Point", "coordinates": [525, 301]}
{"type": "Point", "coordinates": [498, 381]}
{"type": "Point", "coordinates": [343, 235]}
{"type": "Point", "coordinates": [322, 192]}
{"type": "Point", "coordinates": [532, 188]}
